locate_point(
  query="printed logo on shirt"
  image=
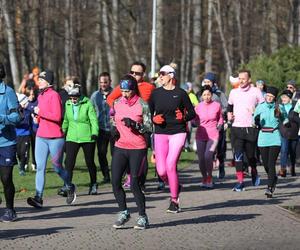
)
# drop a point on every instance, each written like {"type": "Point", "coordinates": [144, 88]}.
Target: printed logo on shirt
{"type": "Point", "coordinates": [175, 96]}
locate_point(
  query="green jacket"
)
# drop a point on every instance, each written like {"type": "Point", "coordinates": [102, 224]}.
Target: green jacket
{"type": "Point", "coordinates": [86, 124]}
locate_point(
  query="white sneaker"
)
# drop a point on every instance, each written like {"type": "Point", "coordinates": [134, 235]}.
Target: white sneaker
{"type": "Point", "coordinates": [26, 166]}
{"type": "Point", "coordinates": [33, 167]}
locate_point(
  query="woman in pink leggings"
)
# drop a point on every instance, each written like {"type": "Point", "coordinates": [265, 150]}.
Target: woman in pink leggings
{"type": "Point", "coordinates": [171, 108]}
{"type": "Point", "coordinates": [209, 120]}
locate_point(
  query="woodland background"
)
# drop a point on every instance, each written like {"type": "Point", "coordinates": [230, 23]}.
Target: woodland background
{"type": "Point", "coordinates": [86, 37]}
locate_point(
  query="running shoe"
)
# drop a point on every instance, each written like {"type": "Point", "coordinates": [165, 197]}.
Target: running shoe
{"type": "Point", "coordinates": [123, 217]}
{"type": "Point", "coordinates": [93, 189]}
{"type": "Point", "coordinates": [269, 192]}
{"type": "Point", "coordinates": [209, 182]}
{"type": "Point", "coordinates": [22, 173]}
{"type": "Point", "coordinates": [62, 191]}
{"type": "Point", "coordinates": [71, 195]}
{"type": "Point", "coordinates": [255, 178]}
{"type": "Point", "coordinates": [173, 208]}
{"type": "Point", "coordinates": [221, 174]}
{"type": "Point", "coordinates": [161, 186]}
{"type": "Point", "coordinates": [36, 202]}
{"type": "Point", "coordinates": [142, 223]}
{"type": "Point", "coordinates": [239, 187]}
{"type": "Point", "coordinates": [9, 215]}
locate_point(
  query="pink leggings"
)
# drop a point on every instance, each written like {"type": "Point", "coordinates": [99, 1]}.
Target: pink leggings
{"type": "Point", "coordinates": [167, 152]}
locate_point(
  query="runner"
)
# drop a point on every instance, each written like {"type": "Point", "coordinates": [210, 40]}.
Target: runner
{"type": "Point", "coordinates": [49, 138]}
{"type": "Point", "coordinates": [81, 128]}
{"type": "Point", "coordinates": [171, 108]}
{"type": "Point", "coordinates": [241, 105]}
{"type": "Point", "coordinates": [210, 121]}
{"type": "Point", "coordinates": [267, 116]}
{"type": "Point", "coordinates": [131, 119]}
{"type": "Point", "coordinates": [9, 117]}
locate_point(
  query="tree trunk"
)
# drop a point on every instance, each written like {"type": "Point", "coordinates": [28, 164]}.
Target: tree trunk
{"type": "Point", "coordinates": [67, 38]}
{"type": "Point", "coordinates": [217, 13]}
{"type": "Point", "coordinates": [208, 51]}
{"type": "Point", "coordinates": [196, 43]}
{"type": "Point", "coordinates": [108, 45]}
{"type": "Point", "coordinates": [273, 28]}
{"type": "Point", "coordinates": [89, 78]}
{"type": "Point", "coordinates": [238, 9]}
{"type": "Point", "coordinates": [11, 44]}
{"type": "Point", "coordinates": [159, 33]}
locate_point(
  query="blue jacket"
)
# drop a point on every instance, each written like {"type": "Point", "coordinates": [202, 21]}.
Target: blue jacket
{"type": "Point", "coordinates": [265, 113]}
{"type": "Point", "coordinates": [9, 115]}
{"type": "Point", "coordinates": [98, 100]}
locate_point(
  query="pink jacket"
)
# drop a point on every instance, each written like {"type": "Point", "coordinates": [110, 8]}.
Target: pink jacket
{"type": "Point", "coordinates": [209, 116]}
{"type": "Point", "coordinates": [133, 109]}
{"type": "Point", "coordinates": [50, 114]}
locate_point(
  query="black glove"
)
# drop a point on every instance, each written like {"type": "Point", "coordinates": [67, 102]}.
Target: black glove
{"type": "Point", "coordinates": [115, 134]}
{"type": "Point", "coordinates": [129, 123]}
{"type": "Point", "coordinates": [94, 137]}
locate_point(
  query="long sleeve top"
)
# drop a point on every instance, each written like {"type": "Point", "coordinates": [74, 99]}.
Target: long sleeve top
{"type": "Point", "coordinates": [208, 116]}
{"type": "Point", "coordinates": [137, 110]}
{"type": "Point", "coordinates": [244, 101]}
{"type": "Point", "coordinates": [80, 121]}
{"type": "Point", "coordinates": [267, 119]}
{"type": "Point", "coordinates": [98, 99]}
{"type": "Point", "coordinates": [50, 114]}
{"type": "Point", "coordinates": [166, 102]}
{"type": "Point", "coordinates": [9, 115]}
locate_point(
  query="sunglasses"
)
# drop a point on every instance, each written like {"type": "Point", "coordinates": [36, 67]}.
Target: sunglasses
{"type": "Point", "coordinates": [163, 73]}
{"type": "Point", "coordinates": [136, 73]}
{"type": "Point", "coordinates": [289, 87]}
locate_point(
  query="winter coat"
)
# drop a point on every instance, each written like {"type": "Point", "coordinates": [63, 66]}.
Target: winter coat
{"type": "Point", "coordinates": [9, 115]}
{"type": "Point", "coordinates": [81, 129]}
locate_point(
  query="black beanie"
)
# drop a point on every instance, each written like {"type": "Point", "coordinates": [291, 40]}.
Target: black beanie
{"type": "Point", "coordinates": [48, 76]}
{"type": "Point", "coordinates": [2, 71]}
{"type": "Point", "coordinates": [287, 93]}
{"type": "Point", "coordinates": [272, 90]}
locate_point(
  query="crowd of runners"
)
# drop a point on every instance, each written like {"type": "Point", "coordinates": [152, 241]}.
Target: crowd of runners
{"type": "Point", "coordinates": [260, 120]}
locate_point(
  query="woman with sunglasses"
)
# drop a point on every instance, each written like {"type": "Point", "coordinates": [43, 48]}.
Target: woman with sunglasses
{"type": "Point", "coordinates": [130, 119]}
{"type": "Point", "coordinates": [81, 128]}
{"type": "Point", "coordinates": [171, 109]}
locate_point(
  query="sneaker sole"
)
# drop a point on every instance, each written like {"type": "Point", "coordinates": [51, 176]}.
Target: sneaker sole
{"type": "Point", "coordinates": [33, 204]}
{"type": "Point", "coordinates": [74, 199]}
{"type": "Point", "coordinates": [140, 227]}
{"type": "Point", "coordinates": [238, 190]}
{"type": "Point", "coordinates": [7, 221]}
{"type": "Point", "coordinates": [173, 212]}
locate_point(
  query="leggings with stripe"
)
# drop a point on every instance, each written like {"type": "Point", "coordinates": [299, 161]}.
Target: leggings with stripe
{"type": "Point", "coordinates": [167, 152]}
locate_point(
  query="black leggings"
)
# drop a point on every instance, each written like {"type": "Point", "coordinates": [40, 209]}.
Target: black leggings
{"type": "Point", "coordinates": [72, 149]}
{"type": "Point", "coordinates": [269, 156]}
{"type": "Point", "coordinates": [23, 146]}
{"type": "Point", "coordinates": [120, 160]}
{"type": "Point", "coordinates": [8, 185]}
{"type": "Point", "coordinates": [244, 143]}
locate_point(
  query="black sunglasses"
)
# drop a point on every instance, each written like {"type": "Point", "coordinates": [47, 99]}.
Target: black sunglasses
{"type": "Point", "coordinates": [136, 73]}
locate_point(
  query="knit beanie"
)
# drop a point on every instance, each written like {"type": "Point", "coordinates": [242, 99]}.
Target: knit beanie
{"type": "Point", "coordinates": [23, 99]}
{"type": "Point", "coordinates": [287, 93]}
{"type": "Point", "coordinates": [210, 76]}
{"type": "Point", "coordinates": [272, 90]}
{"type": "Point", "coordinates": [48, 76]}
